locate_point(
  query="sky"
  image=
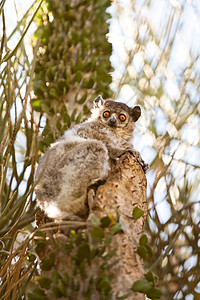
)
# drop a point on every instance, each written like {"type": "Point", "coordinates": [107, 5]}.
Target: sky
{"type": "Point", "coordinates": [14, 11]}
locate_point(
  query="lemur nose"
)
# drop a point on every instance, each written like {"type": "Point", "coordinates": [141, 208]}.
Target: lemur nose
{"type": "Point", "coordinates": [112, 121]}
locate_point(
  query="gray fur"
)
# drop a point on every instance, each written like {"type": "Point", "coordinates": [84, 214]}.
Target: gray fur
{"type": "Point", "coordinates": [81, 158]}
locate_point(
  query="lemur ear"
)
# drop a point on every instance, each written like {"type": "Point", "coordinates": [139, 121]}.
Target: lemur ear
{"type": "Point", "coordinates": [136, 113]}
{"type": "Point", "coordinates": [98, 101]}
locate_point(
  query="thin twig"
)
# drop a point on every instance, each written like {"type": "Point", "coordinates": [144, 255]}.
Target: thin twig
{"type": "Point", "coordinates": [170, 246]}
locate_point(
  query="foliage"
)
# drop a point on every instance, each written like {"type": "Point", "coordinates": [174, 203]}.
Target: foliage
{"type": "Point", "coordinates": [151, 70]}
{"type": "Point", "coordinates": [22, 118]}
{"type": "Point", "coordinates": [73, 63]}
{"type": "Point", "coordinates": [19, 128]}
{"type": "Point", "coordinates": [18, 134]}
{"type": "Point", "coordinates": [79, 266]}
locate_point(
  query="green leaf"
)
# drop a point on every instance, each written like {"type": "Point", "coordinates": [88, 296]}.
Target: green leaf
{"type": "Point", "coordinates": [52, 92]}
{"type": "Point", "coordinates": [86, 110]}
{"type": "Point", "coordinates": [45, 107]}
{"type": "Point", "coordinates": [48, 262]}
{"type": "Point", "coordinates": [45, 282]}
{"type": "Point", "coordinates": [65, 278]}
{"type": "Point", "coordinates": [49, 138]}
{"type": "Point", "coordinates": [78, 119]}
{"type": "Point", "coordinates": [89, 288]}
{"type": "Point", "coordinates": [104, 286]}
{"type": "Point", "coordinates": [55, 276]}
{"type": "Point", "coordinates": [62, 287]}
{"type": "Point", "coordinates": [110, 254]}
{"type": "Point", "coordinates": [61, 84]}
{"type": "Point", "coordinates": [40, 240]}
{"type": "Point", "coordinates": [94, 252]}
{"type": "Point", "coordinates": [141, 250]}
{"type": "Point", "coordinates": [37, 294]}
{"type": "Point", "coordinates": [82, 99]}
{"type": "Point", "coordinates": [88, 66]}
{"type": "Point", "coordinates": [142, 286]}
{"type": "Point", "coordinates": [154, 293]}
{"type": "Point", "coordinates": [42, 146]}
{"type": "Point", "coordinates": [116, 228]}
{"type": "Point", "coordinates": [124, 296]}
{"type": "Point", "coordinates": [63, 110]}
{"type": "Point", "coordinates": [150, 276]}
{"type": "Point", "coordinates": [73, 114]}
{"type": "Point", "coordinates": [101, 251]}
{"type": "Point", "coordinates": [83, 268]}
{"type": "Point", "coordinates": [105, 221]}
{"type": "Point", "coordinates": [97, 233]}
{"type": "Point", "coordinates": [83, 252]}
{"type": "Point", "coordinates": [149, 250]}
{"type": "Point", "coordinates": [56, 292]}
{"type": "Point", "coordinates": [137, 213]}
{"type": "Point", "coordinates": [143, 240]}
{"type": "Point", "coordinates": [36, 103]}
{"type": "Point", "coordinates": [58, 124]}
{"type": "Point", "coordinates": [77, 77]}
{"type": "Point", "coordinates": [88, 83]}
{"type": "Point", "coordinates": [108, 239]}
{"type": "Point", "coordinates": [66, 118]}
{"type": "Point", "coordinates": [78, 238]}
{"type": "Point", "coordinates": [102, 75]}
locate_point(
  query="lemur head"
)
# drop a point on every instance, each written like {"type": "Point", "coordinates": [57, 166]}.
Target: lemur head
{"type": "Point", "coordinates": [115, 114]}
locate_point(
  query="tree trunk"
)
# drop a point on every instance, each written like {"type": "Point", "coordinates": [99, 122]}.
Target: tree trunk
{"type": "Point", "coordinates": [124, 189]}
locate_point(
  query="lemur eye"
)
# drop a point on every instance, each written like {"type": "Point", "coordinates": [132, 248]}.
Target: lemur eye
{"type": "Point", "coordinates": [106, 114]}
{"type": "Point", "coordinates": [122, 117]}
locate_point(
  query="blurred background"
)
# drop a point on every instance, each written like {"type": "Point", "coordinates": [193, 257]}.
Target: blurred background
{"type": "Point", "coordinates": [138, 52]}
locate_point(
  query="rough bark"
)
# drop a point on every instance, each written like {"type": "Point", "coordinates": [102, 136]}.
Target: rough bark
{"type": "Point", "coordinates": [124, 189]}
